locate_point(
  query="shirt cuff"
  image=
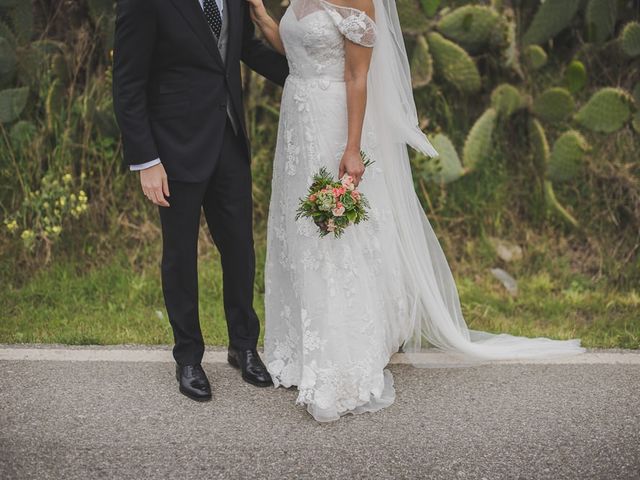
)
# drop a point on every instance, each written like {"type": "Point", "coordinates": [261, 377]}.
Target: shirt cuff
{"type": "Point", "coordinates": [144, 166]}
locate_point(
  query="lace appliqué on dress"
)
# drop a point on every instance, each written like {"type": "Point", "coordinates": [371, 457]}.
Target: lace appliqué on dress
{"type": "Point", "coordinates": [355, 25]}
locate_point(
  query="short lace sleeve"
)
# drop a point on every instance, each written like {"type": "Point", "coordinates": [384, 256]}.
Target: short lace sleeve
{"type": "Point", "coordinates": [354, 24]}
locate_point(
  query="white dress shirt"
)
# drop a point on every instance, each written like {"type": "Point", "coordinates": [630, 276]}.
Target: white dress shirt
{"type": "Point", "coordinates": [153, 163]}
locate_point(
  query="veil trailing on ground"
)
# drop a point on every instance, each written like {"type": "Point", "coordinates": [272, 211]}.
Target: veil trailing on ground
{"type": "Point", "coordinates": [436, 316]}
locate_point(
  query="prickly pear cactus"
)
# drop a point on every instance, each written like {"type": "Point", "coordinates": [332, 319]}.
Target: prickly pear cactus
{"type": "Point", "coordinates": [630, 39]}
{"type": "Point", "coordinates": [12, 103]}
{"type": "Point", "coordinates": [454, 64]}
{"type": "Point", "coordinates": [412, 17]}
{"type": "Point", "coordinates": [636, 95]}
{"type": "Point", "coordinates": [554, 105]}
{"type": "Point", "coordinates": [478, 146]}
{"type": "Point", "coordinates": [553, 203]}
{"type": "Point", "coordinates": [567, 157]}
{"type": "Point", "coordinates": [535, 56]}
{"type": "Point", "coordinates": [552, 17]}
{"type": "Point", "coordinates": [607, 111]}
{"type": "Point", "coordinates": [575, 76]}
{"type": "Point", "coordinates": [507, 99]}
{"type": "Point", "coordinates": [421, 64]}
{"type": "Point", "coordinates": [7, 63]}
{"type": "Point", "coordinates": [600, 18]}
{"type": "Point", "coordinates": [471, 26]}
{"type": "Point", "coordinates": [450, 166]}
{"type": "Point", "coordinates": [430, 7]}
{"type": "Point", "coordinates": [538, 141]}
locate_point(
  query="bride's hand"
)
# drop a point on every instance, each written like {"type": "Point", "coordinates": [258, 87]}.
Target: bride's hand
{"type": "Point", "coordinates": [257, 10]}
{"type": "Point", "coordinates": [352, 165]}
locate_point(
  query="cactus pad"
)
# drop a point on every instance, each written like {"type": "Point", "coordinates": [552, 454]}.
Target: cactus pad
{"type": "Point", "coordinates": [600, 17]}
{"type": "Point", "coordinates": [454, 64]}
{"type": "Point", "coordinates": [630, 39]}
{"type": "Point", "coordinates": [421, 64]}
{"type": "Point", "coordinates": [552, 17]}
{"type": "Point", "coordinates": [430, 7]}
{"type": "Point", "coordinates": [478, 145]}
{"type": "Point", "coordinates": [472, 26]}
{"type": "Point", "coordinates": [7, 63]}
{"type": "Point", "coordinates": [636, 95]}
{"type": "Point", "coordinates": [607, 111]}
{"type": "Point", "coordinates": [450, 166]}
{"type": "Point", "coordinates": [506, 99]}
{"type": "Point", "coordinates": [538, 141]}
{"type": "Point", "coordinates": [12, 103]}
{"type": "Point", "coordinates": [553, 203]}
{"type": "Point", "coordinates": [575, 76]}
{"type": "Point", "coordinates": [566, 159]}
{"type": "Point", "coordinates": [554, 105]}
{"type": "Point", "coordinates": [635, 122]}
{"type": "Point", "coordinates": [412, 17]}
{"type": "Point", "coordinates": [536, 56]}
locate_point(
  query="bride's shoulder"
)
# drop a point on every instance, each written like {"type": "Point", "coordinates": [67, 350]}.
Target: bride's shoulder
{"type": "Point", "coordinates": [365, 6]}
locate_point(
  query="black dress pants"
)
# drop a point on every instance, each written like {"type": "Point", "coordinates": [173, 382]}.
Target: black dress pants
{"type": "Point", "coordinates": [226, 200]}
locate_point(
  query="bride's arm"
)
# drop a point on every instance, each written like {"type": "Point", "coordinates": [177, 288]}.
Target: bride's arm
{"type": "Point", "coordinates": [357, 61]}
{"type": "Point", "coordinates": [267, 25]}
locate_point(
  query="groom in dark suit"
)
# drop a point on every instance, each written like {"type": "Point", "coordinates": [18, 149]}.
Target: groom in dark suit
{"type": "Point", "coordinates": [178, 101]}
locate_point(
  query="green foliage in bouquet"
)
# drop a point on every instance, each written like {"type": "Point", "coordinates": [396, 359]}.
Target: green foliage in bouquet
{"type": "Point", "coordinates": [333, 205]}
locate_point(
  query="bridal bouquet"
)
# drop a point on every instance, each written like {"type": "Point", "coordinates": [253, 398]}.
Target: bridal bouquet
{"type": "Point", "coordinates": [332, 204]}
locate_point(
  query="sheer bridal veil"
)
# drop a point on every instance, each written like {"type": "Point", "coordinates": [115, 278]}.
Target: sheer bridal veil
{"type": "Point", "coordinates": [436, 316]}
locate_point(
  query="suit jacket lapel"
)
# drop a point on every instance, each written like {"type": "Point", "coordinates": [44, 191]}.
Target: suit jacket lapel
{"type": "Point", "coordinates": [192, 13]}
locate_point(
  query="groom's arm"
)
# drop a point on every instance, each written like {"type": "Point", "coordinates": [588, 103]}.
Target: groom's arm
{"type": "Point", "coordinates": [133, 51]}
{"type": "Point", "coordinates": [258, 56]}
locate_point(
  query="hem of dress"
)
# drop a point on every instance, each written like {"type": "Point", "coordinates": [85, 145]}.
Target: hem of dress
{"type": "Point", "coordinates": [373, 404]}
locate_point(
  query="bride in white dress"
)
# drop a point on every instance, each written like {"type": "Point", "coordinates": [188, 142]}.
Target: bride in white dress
{"type": "Point", "coordinates": [337, 309]}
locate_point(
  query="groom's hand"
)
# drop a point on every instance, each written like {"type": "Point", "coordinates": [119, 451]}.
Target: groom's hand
{"type": "Point", "coordinates": [155, 184]}
{"type": "Point", "coordinates": [352, 165]}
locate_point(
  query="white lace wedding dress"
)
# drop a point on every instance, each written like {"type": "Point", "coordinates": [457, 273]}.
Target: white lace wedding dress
{"type": "Point", "coordinates": [337, 309]}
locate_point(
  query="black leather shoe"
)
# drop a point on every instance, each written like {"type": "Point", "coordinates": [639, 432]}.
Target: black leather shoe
{"type": "Point", "coordinates": [253, 370]}
{"type": "Point", "coordinates": [193, 382]}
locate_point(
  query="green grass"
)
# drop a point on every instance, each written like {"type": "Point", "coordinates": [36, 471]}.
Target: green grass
{"type": "Point", "coordinates": [117, 303]}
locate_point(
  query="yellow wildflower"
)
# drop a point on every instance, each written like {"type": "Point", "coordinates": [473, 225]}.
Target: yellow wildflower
{"type": "Point", "coordinates": [67, 178]}
{"type": "Point", "coordinates": [12, 226]}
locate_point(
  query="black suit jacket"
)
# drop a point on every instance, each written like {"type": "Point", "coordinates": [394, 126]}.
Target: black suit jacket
{"type": "Point", "coordinates": [170, 84]}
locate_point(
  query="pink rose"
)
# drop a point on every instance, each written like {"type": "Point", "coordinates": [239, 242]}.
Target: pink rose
{"type": "Point", "coordinates": [312, 198]}
{"type": "Point", "coordinates": [355, 194]}
{"type": "Point", "coordinates": [339, 210]}
{"type": "Point", "coordinates": [337, 192]}
{"type": "Point", "coordinates": [347, 182]}
{"type": "Point", "coordinates": [331, 225]}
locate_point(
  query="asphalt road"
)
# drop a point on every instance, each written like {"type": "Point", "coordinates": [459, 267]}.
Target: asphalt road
{"type": "Point", "coordinates": [123, 419]}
